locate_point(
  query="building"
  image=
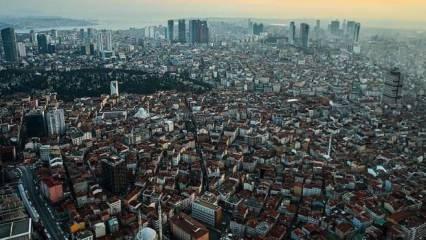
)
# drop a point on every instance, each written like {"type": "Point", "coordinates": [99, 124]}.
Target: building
{"type": "Point", "coordinates": [183, 227]}
{"type": "Point", "coordinates": [207, 212]}
{"type": "Point", "coordinates": [170, 30]}
{"type": "Point", "coordinates": [114, 174]}
{"type": "Point", "coordinates": [304, 35]}
{"type": "Point", "coordinates": [393, 88]}
{"type": "Point", "coordinates": [335, 27]}
{"type": "Point", "coordinates": [55, 122]}
{"type": "Point", "coordinates": [9, 44]}
{"type": "Point", "coordinates": [43, 43]}
{"type": "Point", "coordinates": [35, 124]}
{"type": "Point", "coordinates": [258, 28]}
{"type": "Point", "coordinates": [21, 229]}
{"type": "Point", "coordinates": [22, 51]}
{"type": "Point", "coordinates": [198, 31]}
{"type": "Point", "coordinates": [292, 33]}
{"type": "Point", "coordinates": [182, 31]}
{"type": "Point", "coordinates": [114, 88]}
{"type": "Point", "coordinates": [33, 37]}
{"type": "Point", "coordinates": [51, 189]}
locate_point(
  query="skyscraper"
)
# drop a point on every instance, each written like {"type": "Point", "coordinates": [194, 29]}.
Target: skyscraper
{"type": "Point", "coordinates": [33, 37]}
{"type": "Point", "coordinates": [357, 29]}
{"type": "Point", "coordinates": [392, 92]}
{"type": "Point", "coordinates": [114, 174]}
{"type": "Point", "coordinates": [257, 28]}
{"type": "Point", "coordinates": [335, 27]}
{"type": "Point", "coordinates": [194, 31]}
{"type": "Point", "coordinates": [292, 33]}
{"type": "Point", "coordinates": [204, 32]}
{"type": "Point", "coordinates": [9, 44]}
{"type": "Point", "coordinates": [43, 42]}
{"type": "Point", "coordinates": [304, 35]}
{"type": "Point", "coordinates": [35, 124]}
{"type": "Point", "coordinates": [22, 50]}
{"type": "Point", "coordinates": [182, 31]}
{"type": "Point", "coordinates": [55, 122]}
{"type": "Point", "coordinates": [170, 30]}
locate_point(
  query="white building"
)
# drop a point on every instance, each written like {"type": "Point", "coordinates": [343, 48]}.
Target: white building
{"type": "Point", "coordinates": [114, 88]}
{"type": "Point", "coordinates": [55, 122]}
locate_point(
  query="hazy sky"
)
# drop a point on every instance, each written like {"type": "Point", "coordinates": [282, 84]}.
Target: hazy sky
{"type": "Point", "coordinates": [400, 10]}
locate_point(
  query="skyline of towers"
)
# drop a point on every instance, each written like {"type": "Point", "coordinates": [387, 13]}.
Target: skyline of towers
{"type": "Point", "coordinates": [198, 31]}
{"type": "Point", "coordinates": [9, 44]}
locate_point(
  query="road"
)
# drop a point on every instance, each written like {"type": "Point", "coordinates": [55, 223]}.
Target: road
{"type": "Point", "coordinates": [46, 218]}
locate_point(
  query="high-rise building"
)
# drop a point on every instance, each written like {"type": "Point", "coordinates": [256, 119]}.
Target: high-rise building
{"type": "Point", "coordinates": [182, 31]}
{"type": "Point", "coordinates": [9, 44]}
{"type": "Point", "coordinates": [35, 124]}
{"type": "Point", "coordinates": [22, 50]}
{"type": "Point", "coordinates": [335, 27]}
{"type": "Point", "coordinates": [258, 28]}
{"type": "Point", "coordinates": [43, 43]}
{"type": "Point", "coordinates": [204, 32]}
{"type": "Point", "coordinates": [170, 30]}
{"type": "Point", "coordinates": [114, 174]}
{"type": "Point", "coordinates": [304, 35]}
{"type": "Point", "coordinates": [108, 40]}
{"type": "Point", "coordinates": [55, 122]}
{"type": "Point", "coordinates": [392, 92]}
{"type": "Point", "coordinates": [33, 37]}
{"type": "Point", "coordinates": [292, 33]}
{"type": "Point", "coordinates": [356, 31]}
{"type": "Point", "coordinates": [198, 31]}
{"type": "Point", "coordinates": [82, 35]}
{"type": "Point", "coordinates": [114, 88]}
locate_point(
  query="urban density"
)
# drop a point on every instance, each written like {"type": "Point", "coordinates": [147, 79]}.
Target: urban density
{"type": "Point", "coordinates": [207, 128]}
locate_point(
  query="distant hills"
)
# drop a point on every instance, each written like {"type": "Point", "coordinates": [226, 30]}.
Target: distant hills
{"type": "Point", "coordinates": [27, 23]}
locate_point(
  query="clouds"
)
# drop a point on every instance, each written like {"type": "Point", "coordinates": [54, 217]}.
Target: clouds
{"type": "Point", "coordinates": [408, 10]}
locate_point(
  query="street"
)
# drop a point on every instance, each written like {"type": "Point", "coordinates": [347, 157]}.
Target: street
{"type": "Point", "coordinates": [46, 218]}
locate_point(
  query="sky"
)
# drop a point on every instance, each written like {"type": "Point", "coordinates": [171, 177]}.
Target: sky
{"type": "Point", "coordinates": [135, 10]}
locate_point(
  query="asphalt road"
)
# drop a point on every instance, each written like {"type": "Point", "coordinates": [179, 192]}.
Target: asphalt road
{"type": "Point", "coordinates": [46, 218]}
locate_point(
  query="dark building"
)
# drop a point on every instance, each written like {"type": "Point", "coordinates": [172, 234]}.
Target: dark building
{"type": "Point", "coordinates": [198, 31]}
{"type": "Point", "coordinates": [257, 28]}
{"type": "Point", "coordinates": [170, 30]}
{"type": "Point", "coordinates": [292, 33]}
{"type": "Point", "coordinates": [35, 124]}
{"type": "Point", "coordinates": [304, 35]}
{"type": "Point", "coordinates": [114, 174]}
{"type": "Point", "coordinates": [182, 31]}
{"type": "Point", "coordinates": [43, 43]}
{"type": "Point", "coordinates": [51, 48]}
{"type": "Point", "coordinates": [392, 92]}
{"type": "Point", "coordinates": [335, 27]}
{"type": "Point", "coordinates": [9, 44]}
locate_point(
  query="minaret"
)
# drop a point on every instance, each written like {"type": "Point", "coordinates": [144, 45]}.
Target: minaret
{"type": "Point", "coordinates": [160, 219]}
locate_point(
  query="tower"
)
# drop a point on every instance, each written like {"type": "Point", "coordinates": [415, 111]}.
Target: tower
{"type": "Point", "coordinates": [392, 92]}
{"type": "Point", "coordinates": [304, 35]}
{"type": "Point", "coordinates": [170, 30]}
{"type": "Point", "coordinates": [292, 33]}
{"type": "Point", "coordinates": [204, 32]}
{"type": "Point", "coordinates": [182, 31]}
{"type": "Point", "coordinates": [9, 44]}
{"type": "Point", "coordinates": [114, 174]}
{"type": "Point", "coordinates": [43, 43]}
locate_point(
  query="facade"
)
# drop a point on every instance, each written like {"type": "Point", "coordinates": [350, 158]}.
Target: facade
{"type": "Point", "coordinates": [55, 122]}
{"type": "Point", "coordinates": [184, 227]}
{"type": "Point", "coordinates": [182, 31]}
{"type": "Point", "coordinates": [35, 124]}
{"type": "Point", "coordinates": [304, 35]}
{"type": "Point", "coordinates": [114, 174]}
{"type": "Point", "coordinates": [9, 44]}
{"type": "Point", "coordinates": [198, 31]}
